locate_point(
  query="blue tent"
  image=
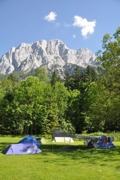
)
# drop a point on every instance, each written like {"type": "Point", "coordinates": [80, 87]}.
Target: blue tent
{"type": "Point", "coordinates": [105, 142]}
{"type": "Point", "coordinates": [21, 148]}
{"type": "Point", "coordinates": [30, 139]}
{"type": "Point", "coordinates": [100, 142]}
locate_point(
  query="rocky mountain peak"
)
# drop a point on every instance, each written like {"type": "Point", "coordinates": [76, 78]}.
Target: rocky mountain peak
{"type": "Point", "coordinates": [52, 54]}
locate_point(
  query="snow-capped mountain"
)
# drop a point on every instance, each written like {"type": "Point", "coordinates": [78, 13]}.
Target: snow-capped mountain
{"type": "Point", "coordinates": [52, 54]}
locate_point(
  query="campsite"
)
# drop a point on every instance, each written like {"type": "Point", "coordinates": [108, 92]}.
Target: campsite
{"type": "Point", "coordinates": [60, 90]}
{"type": "Point", "coordinates": [56, 162]}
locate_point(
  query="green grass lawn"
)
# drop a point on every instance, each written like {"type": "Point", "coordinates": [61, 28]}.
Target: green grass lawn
{"type": "Point", "coordinates": [77, 163]}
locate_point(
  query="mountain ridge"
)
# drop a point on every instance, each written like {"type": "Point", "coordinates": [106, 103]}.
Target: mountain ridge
{"type": "Point", "coordinates": [54, 54]}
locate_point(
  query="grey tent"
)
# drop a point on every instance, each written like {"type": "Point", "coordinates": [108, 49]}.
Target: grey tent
{"type": "Point", "coordinates": [59, 133]}
{"type": "Point", "coordinates": [62, 136]}
{"type": "Point", "coordinates": [91, 141]}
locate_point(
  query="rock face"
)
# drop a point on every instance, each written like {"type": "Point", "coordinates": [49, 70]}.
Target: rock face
{"type": "Point", "coordinates": [53, 54]}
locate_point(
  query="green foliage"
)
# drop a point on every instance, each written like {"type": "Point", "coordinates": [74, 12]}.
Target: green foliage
{"type": "Point", "coordinates": [42, 74]}
{"type": "Point", "coordinates": [110, 58]}
{"type": "Point", "coordinates": [55, 77]}
{"type": "Point", "coordinates": [73, 110]}
{"type": "Point", "coordinates": [34, 107]}
{"type": "Point", "coordinates": [94, 105]}
{"type": "Point", "coordinates": [55, 106]}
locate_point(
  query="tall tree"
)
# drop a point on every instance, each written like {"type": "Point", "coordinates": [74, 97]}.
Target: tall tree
{"type": "Point", "coordinates": [42, 74]}
{"type": "Point", "coordinates": [110, 59]}
{"type": "Point", "coordinates": [55, 77]}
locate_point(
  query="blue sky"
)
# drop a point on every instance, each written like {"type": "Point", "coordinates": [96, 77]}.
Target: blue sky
{"type": "Point", "coordinates": [79, 23]}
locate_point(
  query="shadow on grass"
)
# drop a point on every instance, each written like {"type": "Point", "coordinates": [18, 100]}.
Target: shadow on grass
{"type": "Point", "coordinates": [81, 152]}
{"type": "Point", "coordinates": [75, 152]}
{"type": "Point", "coordinates": [3, 145]}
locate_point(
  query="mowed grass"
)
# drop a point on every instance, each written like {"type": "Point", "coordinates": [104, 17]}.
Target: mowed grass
{"type": "Point", "coordinates": [54, 163]}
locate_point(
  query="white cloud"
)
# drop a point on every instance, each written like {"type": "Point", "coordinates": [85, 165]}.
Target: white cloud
{"type": "Point", "coordinates": [87, 27]}
{"type": "Point", "coordinates": [51, 16]}
{"type": "Point", "coordinates": [74, 36]}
